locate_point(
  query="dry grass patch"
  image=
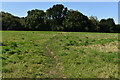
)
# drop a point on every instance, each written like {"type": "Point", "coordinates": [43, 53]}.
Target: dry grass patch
{"type": "Point", "coordinates": [108, 47]}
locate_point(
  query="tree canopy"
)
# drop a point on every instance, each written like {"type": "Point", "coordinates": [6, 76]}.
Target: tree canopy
{"type": "Point", "coordinates": [57, 18]}
{"type": "Point", "coordinates": [10, 22]}
{"type": "Point", "coordinates": [35, 20]}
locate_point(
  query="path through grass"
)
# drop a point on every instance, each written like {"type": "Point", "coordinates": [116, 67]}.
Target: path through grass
{"type": "Point", "coordinates": [45, 54]}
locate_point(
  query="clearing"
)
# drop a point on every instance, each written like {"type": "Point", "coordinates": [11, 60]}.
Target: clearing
{"type": "Point", "coordinates": [47, 54]}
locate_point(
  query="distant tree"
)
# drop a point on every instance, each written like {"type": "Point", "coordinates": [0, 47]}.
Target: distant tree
{"type": "Point", "coordinates": [107, 25]}
{"type": "Point", "coordinates": [76, 21]}
{"type": "Point", "coordinates": [35, 20]}
{"type": "Point", "coordinates": [55, 16]}
{"type": "Point", "coordinates": [0, 21]}
{"type": "Point", "coordinates": [111, 24]}
{"type": "Point", "coordinates": [103, 26]}
{"type": "Point", "coordinates": [95, 22]}
{"type": "Point", "coordinates": [117, 28]}
{"type": "Point", "coordinates": [10, 22]}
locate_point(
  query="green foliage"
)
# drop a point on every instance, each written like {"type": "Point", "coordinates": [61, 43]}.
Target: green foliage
{"type": "Point", "coordinates": [95, 22]}
{"type": "Point", "coordinates": [57, 18]}
{"type": "Point", "coordinates": [107, 25]}
{"type": "Point", "coordinates": [10, 22]}
{"type": "Point", "coordinates": [117, 28]}
{"type": "Point", "coordinates": [35, 20]}
{"type": "Point", "coordinates": [76, 21]}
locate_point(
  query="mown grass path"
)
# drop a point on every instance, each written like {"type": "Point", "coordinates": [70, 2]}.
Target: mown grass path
{"type": "Point", "coordinates": [57, 66]}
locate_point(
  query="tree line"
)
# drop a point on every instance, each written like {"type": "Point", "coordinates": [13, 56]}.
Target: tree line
{"type": "Point", "coordinates": [57, 18]}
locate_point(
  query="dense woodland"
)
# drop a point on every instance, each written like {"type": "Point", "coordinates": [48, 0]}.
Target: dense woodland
{"type": "Point", "coordinates": [57, 18]}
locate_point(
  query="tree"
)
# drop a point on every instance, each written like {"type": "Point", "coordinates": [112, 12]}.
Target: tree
{"type": "Point", "coordinates": [0, 21]}
{"type": "Point", "coordinates": [111, 24]}
{"type": "Point", "coordinates": [10, 22]}
{"type": "Point", "coordinates": [76, 21]}
{"type": "Point", "coordinates": [55, 16]}
{"type": "Point", "coordinates": [35, 20]}
{"type": "Point", "coordinates": [117, 28]}
{"type": "Point", "coordinates": [107, 25]}
{"type": "Point", "coordinates": [95, 22]}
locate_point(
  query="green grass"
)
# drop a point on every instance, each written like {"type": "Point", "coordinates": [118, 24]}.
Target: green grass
{"type": "Point", "coordinates": [44, 54]}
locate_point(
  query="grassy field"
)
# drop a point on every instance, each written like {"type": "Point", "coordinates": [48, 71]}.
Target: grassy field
{"type": "Point", "coordinates": [42, 54]}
